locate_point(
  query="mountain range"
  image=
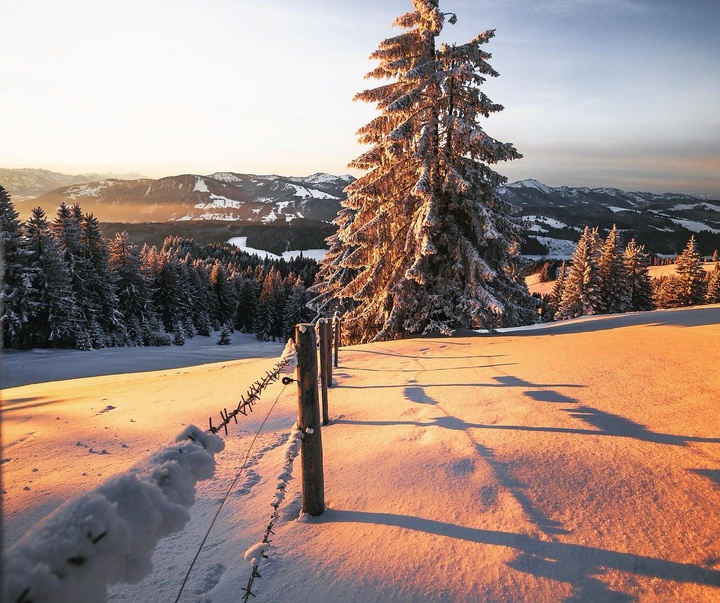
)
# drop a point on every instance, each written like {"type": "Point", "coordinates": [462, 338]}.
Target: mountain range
{"type": "Point", "coordinates": [555, 215]}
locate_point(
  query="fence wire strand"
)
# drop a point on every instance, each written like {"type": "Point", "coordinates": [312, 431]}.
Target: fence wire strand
{"type": "Point", "coordinates": [227, 493]}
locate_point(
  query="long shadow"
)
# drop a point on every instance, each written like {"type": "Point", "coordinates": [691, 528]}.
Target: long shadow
{"type": "Point", "coordinates": [416, 357]}
{"type": "Point", "coordinates": [16, 404]}
{"type": "Point", "coordinates": [418, 395]}
{"type": "Point", "coordinates": [571, 563]}
{"type": "Point", "coordinates": [543, 395]}
{"type": "Point", "coordinates": [503, 382]}
{"type": "Point", "coordinates": [434, 370]}
{"type": "Point", "coordinates": [712, 474]}
{"type": "Point", "coordinates": [458, 424]}
{"type": "Point", "coordinates": [615, 425]}
{"type": "Point", "coordinates": [505, 478]}
{"type": "Point", "coordinates": [691, 317]}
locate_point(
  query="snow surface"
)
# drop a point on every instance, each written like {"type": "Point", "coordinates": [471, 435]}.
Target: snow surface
{"type": "Point", "coordinates": [241, 243]}
{"type": "Point", "coordinates": [704, 204]}
{"type": "Point", "coordinates": [573, 461]}
{"type": "Point", "coordinates": [557, 248]}
{"type": "Point", "coordinates": [309, 193]}
{"type": "Point", "coordinates": [694, 226]}
{"type": "Point", "coordinates": [200, 185]}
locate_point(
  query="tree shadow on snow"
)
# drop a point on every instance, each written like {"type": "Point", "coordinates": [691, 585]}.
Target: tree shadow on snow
{"type": "Point", "coordinates": [574, 564]}
{"type": "Point", "coordinates": [712, 474]}
{"type": "Point", "coordinates": [615, 425]}
{"type": "Point", "coordinates": [417, 395]}
{"type": "Point", "coordinates": [682, 317]}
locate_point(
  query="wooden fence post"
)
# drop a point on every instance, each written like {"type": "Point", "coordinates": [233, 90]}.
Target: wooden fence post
{"type": "Point", "coordinates": [325, 381]}
{"type": "Point", "coordinates": [336, 338]}
{"type": "Point", "coordinates": [313, 481]}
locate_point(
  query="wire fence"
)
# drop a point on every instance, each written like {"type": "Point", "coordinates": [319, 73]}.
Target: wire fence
{"type": "Point", "coordinates": [286, 364]}
{"type": "Point", "coordinates": [258, 552]}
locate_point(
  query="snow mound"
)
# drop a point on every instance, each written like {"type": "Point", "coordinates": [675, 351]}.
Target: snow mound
{"type": "Point", "coordinates": [109, 534]}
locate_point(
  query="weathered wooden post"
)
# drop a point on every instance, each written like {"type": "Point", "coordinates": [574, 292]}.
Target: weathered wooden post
{"type": "Point", "coordinates": [336, 338]}
{"type": "Point", "coordinates": [324, 328]}
{"type": "Point", "coordinates": [328, 353]}
{"type": "Point", "coordinates": [313, 481]}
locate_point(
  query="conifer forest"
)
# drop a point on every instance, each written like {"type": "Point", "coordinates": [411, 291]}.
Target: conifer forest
{"type": "Point", "coordinates": [66, 286]}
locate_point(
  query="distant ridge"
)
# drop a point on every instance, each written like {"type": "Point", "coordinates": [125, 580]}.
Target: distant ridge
{"type": "Point", "coordinates": [555, 214]}
{"type": "Point", "coordinates": [27, 183]}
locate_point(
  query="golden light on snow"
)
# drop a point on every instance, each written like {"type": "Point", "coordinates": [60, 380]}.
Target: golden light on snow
{"type": "Point", "coordinates": [578, 460]}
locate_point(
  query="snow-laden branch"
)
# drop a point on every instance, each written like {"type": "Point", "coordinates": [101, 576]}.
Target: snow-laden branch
{"type": "Point", "coordinates": [109, 534]}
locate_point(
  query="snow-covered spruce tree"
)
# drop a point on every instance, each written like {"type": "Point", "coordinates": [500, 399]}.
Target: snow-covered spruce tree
{"type": "Point", "coordinates": [54, 319]}
{"type": "Point", "coordinates": [712, 295]}
{"type": "Point", "coordinates": [637, 262]}
{"type": "Point", "coordinates": [556, 294]}
{"type": "Point", "coordinates": [225, 294]}
{"type": "Point", "coordinates": [247, 294]}
{"type": "Point", "coordinates": [131, 286]}
{"type": "Point", "coordinates": [691, 274]}
{"type": "Point", "coordinates": [614, 285]}
{"type": "Point", "coordinates": [296, 310]}
{"type": "Point", "coordinates": [102, 286]}
{"type": "Point", "coordinates": [581, 291]}
{"type": "Point", "coordinates": [15, 275]}
{"type": "Point", "coordinates": [424, 243]}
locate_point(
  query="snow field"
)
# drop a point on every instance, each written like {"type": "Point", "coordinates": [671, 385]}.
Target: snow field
{"type": "Point", "coordinates": [579, 461]}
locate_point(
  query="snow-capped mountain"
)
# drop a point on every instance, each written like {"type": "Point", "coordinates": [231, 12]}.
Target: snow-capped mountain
{"type": "Point", "coordinates": [555, 215]}
{"type": "Point", "coordinates": [226, 196]}
{"type": "Point", "coordinates": [28, 183]}
{"type": "Point", "coordinates": [662, 222]}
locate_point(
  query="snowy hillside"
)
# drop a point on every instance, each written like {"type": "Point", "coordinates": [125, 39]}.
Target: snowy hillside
{"type": "Point", "coordinates": [226, 196]}
{"type": "Point", "coordinates": [574, 461]}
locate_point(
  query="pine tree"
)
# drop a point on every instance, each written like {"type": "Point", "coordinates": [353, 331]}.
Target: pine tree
{"type": "Point", "coordinates": [172, 298]}
{"type": "Point", "coordinates": [204, 300]}
{"type": "Point", "coordinates": [581, 291]}
{"type": "Point", "coordinates": [636, 266]}
{"type": "Point", "coordinates": [615, 290]}
{"type": "Point", "coordinates": [109, 319]}
{"type": "Point", "coordinates": [269, 322]}
{"type": "Point", "coordinates": [225, 294]}
{"type": "Point", "coordinates": [296, 310]}
{"type": "Point", "coordinates": [55, 319]}
{"type": "Point", "coordinates": [224, 338]}
{"type": "Point", "coordinates": [691, 275]}
{"type": "Point", "coordinates": [132, 286]}
{"type": "Point", "coordinates": [248, 292]}
{"type": "Point", "coordinates": [67, 229]}
{"type": "Point", "coordinates": [15, 274]}
{"type": "Point", "coordinates": [424, 243]}
{"type": "Point", "coordinates": [712, 296]}
{"type": "Point", "coordinates": [556, 294]}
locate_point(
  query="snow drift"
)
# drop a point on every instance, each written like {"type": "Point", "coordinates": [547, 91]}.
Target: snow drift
{"type": "Point", "coordinates": [109, 534]}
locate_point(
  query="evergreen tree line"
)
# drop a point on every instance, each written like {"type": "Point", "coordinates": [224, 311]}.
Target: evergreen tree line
{"type": "Point", "coordinates": [605, 278]}
{"type": "Point", "coordinates": [66, 286]}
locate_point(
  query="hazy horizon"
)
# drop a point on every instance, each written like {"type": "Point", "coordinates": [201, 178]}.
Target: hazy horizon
{"type": "Point", "coordinates": [622, 93]}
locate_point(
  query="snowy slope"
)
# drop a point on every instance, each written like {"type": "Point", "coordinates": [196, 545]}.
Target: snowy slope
{"type": "Point", "coordinates": [514, 467]}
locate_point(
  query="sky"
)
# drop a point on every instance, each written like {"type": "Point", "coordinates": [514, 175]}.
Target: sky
{"type": "Point", "coordinates": [619, 93]}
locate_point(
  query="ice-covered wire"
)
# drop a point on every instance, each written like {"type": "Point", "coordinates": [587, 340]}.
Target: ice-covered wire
{"type": "Point", "coordinates": [227, 493]}
{"type": "Point", "coordinates": [286, 364]}
{"type": "Point", "coordinates": [256, 553]}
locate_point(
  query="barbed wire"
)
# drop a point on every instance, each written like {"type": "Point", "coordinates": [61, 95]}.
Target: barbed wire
{"type": "Point", "coordinates": [257, 552]}
{"type": "Point", "coordinates": [227, 493]}
{"type": "Point", "coordinates": [288, 360]}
